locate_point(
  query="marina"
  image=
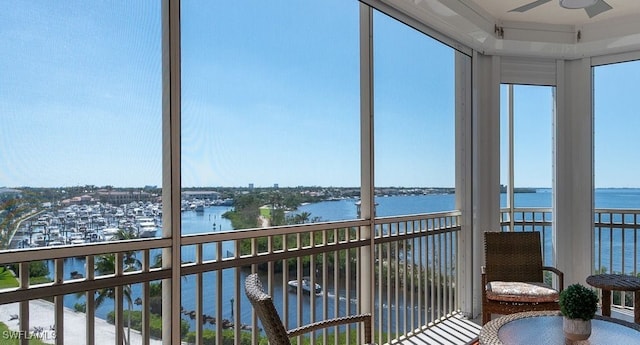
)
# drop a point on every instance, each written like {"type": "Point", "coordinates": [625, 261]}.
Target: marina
{"type": "Point", "coordinates": [93, 221]}
{"type": "Point", "coordinates": [88, 223]}
{"type": "Point", "coordinates": [193, 222]}
{"type": "Point", "coordinates": [106, 221]}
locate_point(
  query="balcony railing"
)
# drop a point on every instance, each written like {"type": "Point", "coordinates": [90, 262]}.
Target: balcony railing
{"type": "Point", "coordinates": [616, 247]}
{"type": "Point", "coordinates": [415, 287]}
{"type": "Point", "coordinates": [402, 269]}
{"type": "Point", "coordinates": [615, 240]}
{"type": "Point", "coordinates": [89, 285]}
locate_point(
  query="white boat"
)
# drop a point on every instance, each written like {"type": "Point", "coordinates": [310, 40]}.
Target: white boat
{"type": "Point", "coordinates": [306, 285]}
{"type": "Point", "coordinates": [146, 227]}
{"type": "Point", "coordinates": [148, 231]}
{"type": "Point", "coordinates": [110, 232]}
{"type": "Point", "coordinates": [224, 202]}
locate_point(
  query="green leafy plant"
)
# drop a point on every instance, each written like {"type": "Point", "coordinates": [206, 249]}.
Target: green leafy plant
{"type": "Point", "coordinates": [578, 302]}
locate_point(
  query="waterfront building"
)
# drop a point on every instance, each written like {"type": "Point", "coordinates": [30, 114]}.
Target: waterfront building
{"type": "Point", "coordinates": [428, 263]}
{"type": "Point", "coordinates": [200, 194]}
{"type": "Point", "coordinates": [124, 197]}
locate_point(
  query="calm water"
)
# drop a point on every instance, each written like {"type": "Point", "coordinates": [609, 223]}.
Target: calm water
{"type": "Point", "coordinates": [211, 220]}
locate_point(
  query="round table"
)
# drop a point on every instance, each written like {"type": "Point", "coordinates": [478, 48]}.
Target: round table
{"type": "Point", "coordinates": [545, 327]}
{"type": "Point", "coordinates": [616, 282]}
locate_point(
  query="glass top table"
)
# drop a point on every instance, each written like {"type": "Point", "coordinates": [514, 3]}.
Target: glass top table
{"type": "Point", "coordinates": [545, 327]}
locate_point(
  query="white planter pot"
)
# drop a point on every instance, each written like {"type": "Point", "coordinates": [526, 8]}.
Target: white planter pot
{"type": "Point", "coordinates": [576, 329]}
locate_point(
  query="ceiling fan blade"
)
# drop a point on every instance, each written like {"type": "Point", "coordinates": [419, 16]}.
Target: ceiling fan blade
{"type": "Point", "coordinates": [597, 8]}
{"type": "Point", "coordinates": [530, 6]}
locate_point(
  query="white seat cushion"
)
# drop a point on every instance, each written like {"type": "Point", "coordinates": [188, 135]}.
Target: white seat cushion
{"type": "Point", "coordinates": [521, 292]}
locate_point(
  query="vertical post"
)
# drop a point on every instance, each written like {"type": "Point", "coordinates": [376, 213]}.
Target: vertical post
{"type": "Point", "coordinates": [199, 293]}
{"type": "Point", "coordinates": [59, 301]}
{"type": "Point", "coordinates": [236, 320]}
{"type": "Point", "coordinates": [24, 305]}
{"type": "Point", "coordinates": [171, 166]}
{"type": "Point", "coordinates": [573, 171]}
{"type": "Point", "coordinates": [118, 307]}
{"type": "Point", "coordinates": [464, 186]}
{"type": "Point", "coordinates": [90, 307]}
{"type": "Point", "coordinates": [367, 207]}
{"type": "Point", "coordinates": [511, 187]}
{"type": "Point", "coordinates": [485, 157]}
{"type": "Point", "coordinates": [146, 317]}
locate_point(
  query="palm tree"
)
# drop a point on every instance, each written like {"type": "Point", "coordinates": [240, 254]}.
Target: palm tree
{"type": "Point", "coordinates": [277, 209]}
{"type": "Point", "coordinates": [302, 217]}
{"type": "Point", "coordinates": [106, 264]}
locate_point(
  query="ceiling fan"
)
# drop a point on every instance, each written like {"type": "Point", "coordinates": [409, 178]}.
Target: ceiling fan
{"type": "Point", "coordinates": [591, 7]}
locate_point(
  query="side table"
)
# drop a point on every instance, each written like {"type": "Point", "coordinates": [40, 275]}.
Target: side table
{"type": "Point", "coordinates": [617, 282]}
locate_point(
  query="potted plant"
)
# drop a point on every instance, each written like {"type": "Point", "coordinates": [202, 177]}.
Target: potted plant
{"type": "Point", "coordinates": [578, 304]}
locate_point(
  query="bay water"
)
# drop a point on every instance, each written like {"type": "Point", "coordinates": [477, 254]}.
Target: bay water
{"type": "Point", "coordinates": [211, 220]}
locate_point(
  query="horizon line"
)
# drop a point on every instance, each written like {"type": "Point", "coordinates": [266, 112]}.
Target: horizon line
{"type": "Point", "coordinates": [275, 187]}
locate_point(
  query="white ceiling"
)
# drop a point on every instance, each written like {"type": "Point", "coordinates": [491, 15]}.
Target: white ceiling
{"type": "Point", "coordinates": [546, 31]}
{"type": "Point", "coordinates": [552, 13]}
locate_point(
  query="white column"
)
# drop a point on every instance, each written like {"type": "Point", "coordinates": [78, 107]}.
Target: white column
{"type": "Point", "coordinates": [482, 185]}
{"type": "Point", "coordinates": [573, 171]}
{"type": "Point", "coordinates": [171, 218]}
{"type": "Point", "coordinates": [464, 185]}
{"type": "Point", "coordinates": [367, 206]}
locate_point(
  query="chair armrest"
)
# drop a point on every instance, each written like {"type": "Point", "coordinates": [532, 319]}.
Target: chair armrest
{"type": "Point", "coordinates": [365, 318]}
{"type": "Point", "coordinates": [483, 282]}
{"type": "Point", "coordinates": [559, 273]}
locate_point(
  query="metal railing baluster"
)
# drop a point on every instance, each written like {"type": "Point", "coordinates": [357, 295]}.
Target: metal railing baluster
{"type": "Point", "coordinates": [413, 271]}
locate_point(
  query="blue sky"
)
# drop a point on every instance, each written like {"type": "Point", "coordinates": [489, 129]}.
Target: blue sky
{"type": "Point", "coordinates": [533, 116]}
{"type": "Point", "coordinates": [273, 98]}
{"type": "Point", "coordinates": [617, 121]}
{"type": "Point", "coordinates": [80, 94]}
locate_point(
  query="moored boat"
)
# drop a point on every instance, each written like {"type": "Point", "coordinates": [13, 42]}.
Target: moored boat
{"type": "Point", "coordinates": [147, 231]}
{"type": "Point", "coordinates": [147, 227]}
{"type": "Point", "coordinates": [306, 285]}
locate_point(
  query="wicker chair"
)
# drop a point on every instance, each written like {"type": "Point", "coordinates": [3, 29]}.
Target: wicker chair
{"type": "Point", "coordinates": [513, 280]}
{"type": "Point", "coordinates": [273, 326]}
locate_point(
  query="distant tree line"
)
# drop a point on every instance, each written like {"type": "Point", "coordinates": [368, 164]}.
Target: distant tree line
{"type": "Point", "coordinates": [246, 211]}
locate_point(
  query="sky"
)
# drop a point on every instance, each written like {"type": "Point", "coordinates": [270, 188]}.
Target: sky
{"type": "Point", "coordinates": [533, 128]}
{"type": "Point", "coordinates": [616, 122]}
{"type": "Point", "coordinates": [272, 98]}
